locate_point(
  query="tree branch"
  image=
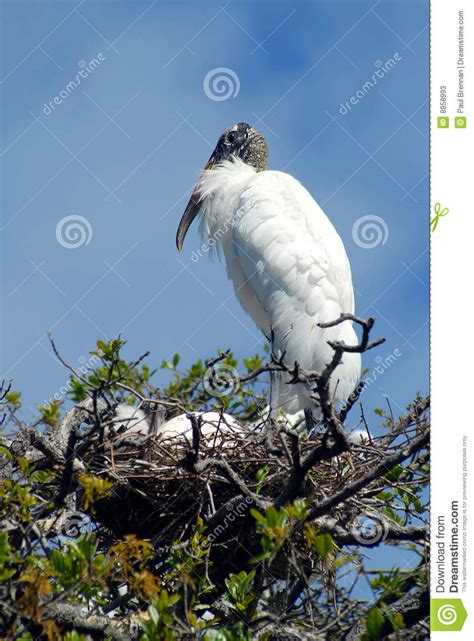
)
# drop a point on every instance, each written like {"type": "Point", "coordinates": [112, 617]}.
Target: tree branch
{"type": "Point", "coordinates": [73, 617]}
{"type": "Point", "coordinates": [385, 466]}
{"type": "Point", "coordinates": [413, 606]}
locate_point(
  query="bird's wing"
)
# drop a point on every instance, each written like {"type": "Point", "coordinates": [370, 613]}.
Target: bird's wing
{"type": "Point", "coordinates": [293, 259]}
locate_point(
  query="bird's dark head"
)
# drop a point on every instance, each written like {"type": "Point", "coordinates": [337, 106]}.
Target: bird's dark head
{"type": "Point", "coordinates": [244, 142]}
{"type": "Point", "coordinates": [239, 141]}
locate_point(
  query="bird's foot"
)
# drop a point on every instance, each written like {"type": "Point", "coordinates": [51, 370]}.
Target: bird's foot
{"type": "Point", "coordinates": [270, 433]}
{"type": "Point", "coordinates": [310, 424]}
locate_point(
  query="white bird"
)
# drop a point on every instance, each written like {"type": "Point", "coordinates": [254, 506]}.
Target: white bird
{"type": "Point", "coordinates": [130, 420]}
{"type": "Point", "coordinates": [215, 428]}
{"type": "Point", "coordinates": [360, 436]}
{"type": "Point", "coordinates": [285, 259]}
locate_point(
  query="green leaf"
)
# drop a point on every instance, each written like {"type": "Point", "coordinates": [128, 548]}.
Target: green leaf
{"type": "Point", "coordinates": [153, 613]}
{"type": "Point", "coordinates": [324, 545]}
{"type": "Point", "coordinates": [258, 517]}
{"type": "Point", "coordinates": [272, 516]}
{"type": "Point", "coordinates": [395, 473]}
{"type": "Point", "coordinates": [375, 622]}
{"type": "Point", "coordinates": [14, 398]}
{"type": "Point", "coordinates": [101, 345]}
{"type": "Point", "coordinates": [6, 452]}
{"type": "Point", "coordinates": [262, 473]}
{"type": "Point", "coordinates": [417, 505]}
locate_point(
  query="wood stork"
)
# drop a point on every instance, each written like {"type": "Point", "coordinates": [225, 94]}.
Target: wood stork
{"type": "Point", "coordinates": [285, 259]}
{"type": "Point", "coordinates": [215, 427]}
{"type": "Point", "coordinates": [132, 422]}
{"type": "Point", "coordinates": [360, 436]}
{"type": "Point", "coordinates": [128, 422]}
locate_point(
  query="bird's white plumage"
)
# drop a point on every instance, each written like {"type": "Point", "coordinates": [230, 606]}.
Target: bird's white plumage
{"type": "Point", "coordinates": [288, 266]}
{"type": "Point", "coordinates": [130, 419]}
{"type": "Point", "coordinates": [360, 436]}
{"type": "Point", "coordinates": [213, 426]}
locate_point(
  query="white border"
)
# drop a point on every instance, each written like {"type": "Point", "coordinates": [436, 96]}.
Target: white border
{"type": "Point", "coordinates": [452, 292]}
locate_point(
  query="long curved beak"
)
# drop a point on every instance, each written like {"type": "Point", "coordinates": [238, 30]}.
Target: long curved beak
{"type": "Point", "coordinates": [192, 208]}
{"type": "Point", "coordinates": [190, 213]}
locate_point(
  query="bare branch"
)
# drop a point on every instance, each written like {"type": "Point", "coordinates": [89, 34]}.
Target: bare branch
{"type": "Point", "coordinates": [73, 617]}
{"type": "Point", "coordinates": [413, 606]}
{"type": "Point", "coordinates": [385, 466]}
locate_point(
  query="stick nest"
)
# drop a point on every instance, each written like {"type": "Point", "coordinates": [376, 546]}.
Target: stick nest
{"type": "Point", "coordinates": [162, 484]}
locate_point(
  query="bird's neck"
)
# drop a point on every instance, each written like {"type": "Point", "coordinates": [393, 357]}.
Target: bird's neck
{"type": "Point", "coordinates": [221, 189]}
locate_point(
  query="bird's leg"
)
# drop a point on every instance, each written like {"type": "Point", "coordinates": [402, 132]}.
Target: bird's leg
{"type": "Point", "coordinates": [274, 394]}
{"type": "Point", "coordinates": [271, 424]}
{"type": "Point", "coordinates": [310, 425]}
{"type": "Point", "coordinates": [275, 380]}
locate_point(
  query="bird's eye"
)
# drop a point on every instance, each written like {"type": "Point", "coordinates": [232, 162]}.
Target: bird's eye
{"type": "Point", "coordinates": [231, 136]}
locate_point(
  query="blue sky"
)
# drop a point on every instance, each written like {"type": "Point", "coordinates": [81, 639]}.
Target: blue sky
{"type": "Point", "coordinates": [123, 150]}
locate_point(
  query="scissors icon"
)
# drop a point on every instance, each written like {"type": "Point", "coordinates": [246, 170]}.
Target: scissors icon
{"type": "Point", "coordinates": [438, 213]}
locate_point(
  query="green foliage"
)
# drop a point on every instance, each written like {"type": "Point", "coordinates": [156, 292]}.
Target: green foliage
{"type": "Point", "coordinates": [187, 386]}
{"type": "Point", "coordinates": [239, 595]}
{"type": "Point", "coordinates": [380, 619]}
{"type": "Point", "coordinates": [324, 545]}
{"type": "Point", "coordinates": [108, 367]}
{"type": "Point", "coordinates": [170, 591]}
{"type": "Point", "coordinates": [321, 542]}
{"type": "Point", "coordinates": [160, 625]}
{"type": "Point", "coordinates": [95, 488]}
{"type": "Point", "coordinates": [273, 527]}
{"type": "Point", "coordinates": [51, 413]}
{"type": "Point", "coordinates": [375, 622]}
{"type": "Point", "coordinates": [235, 633]}
{"type": "Point", "coordinates": [13, 399]}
